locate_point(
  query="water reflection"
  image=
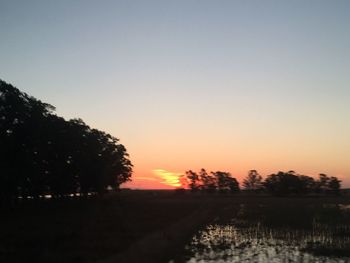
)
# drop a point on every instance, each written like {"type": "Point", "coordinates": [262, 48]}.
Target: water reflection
{"type": "Point", "coordinates": [229, 243]}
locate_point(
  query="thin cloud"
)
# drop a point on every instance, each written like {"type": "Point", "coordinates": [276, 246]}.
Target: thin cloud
{"type": "Point", "coordinates": [167, 177]}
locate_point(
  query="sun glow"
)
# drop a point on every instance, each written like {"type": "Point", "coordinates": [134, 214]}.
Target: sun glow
{"type": "Point", "coordinates": [167, 177]}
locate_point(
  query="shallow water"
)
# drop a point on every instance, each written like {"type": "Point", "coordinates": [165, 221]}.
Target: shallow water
{"type": "Point", "coordinates": [242, 241]}
{"type": "Point", "coordinates": [227, 243]}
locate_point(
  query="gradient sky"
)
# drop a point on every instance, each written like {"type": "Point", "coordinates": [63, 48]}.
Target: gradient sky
{"type": "Point", "coordinates": [224, 85]}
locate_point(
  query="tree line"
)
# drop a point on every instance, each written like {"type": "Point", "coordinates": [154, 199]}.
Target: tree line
{"type": "Point", "coordinates": [209, 182]}
{"type": "Point", "coordinates": [279, 184]}
{"type": "Point", "coordinates": [44, 154]}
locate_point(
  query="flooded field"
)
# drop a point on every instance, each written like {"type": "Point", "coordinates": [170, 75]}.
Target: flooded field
{"type": "Point", "coordinates": [263, 233]}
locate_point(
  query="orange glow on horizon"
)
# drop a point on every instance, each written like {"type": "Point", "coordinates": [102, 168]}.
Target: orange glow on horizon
{"type": "Point", "coordinates": [154, 179]}
{"type": "Point", "coordinates": [167, 178]}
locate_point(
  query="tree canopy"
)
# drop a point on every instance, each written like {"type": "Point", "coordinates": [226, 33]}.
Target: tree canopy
{"type": "Point", "coordinates": [287, 183]}
{"type": "Point", "coordinates": [42, 153]}
{"type": "Point", "coordinates": [253, 181]}
{"type": "Point", "coordinates": [214, 181]}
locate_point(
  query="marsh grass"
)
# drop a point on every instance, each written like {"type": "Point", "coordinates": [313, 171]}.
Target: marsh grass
{"type": "Point", "coordinates": [277, 230]}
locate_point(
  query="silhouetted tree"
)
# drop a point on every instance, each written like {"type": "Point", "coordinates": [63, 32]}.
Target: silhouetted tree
{"type": "Point", "coordinates": [326, 184]}
{"type": "Point", "coordinates": [202, 181]}
{"type": "Point", "coordinates": [322, 183]}
{"type": "Point", "coordinates": [233, 185]}
{"type": "Point", "coordinates": [334, 185]}
{"type": "Point", "coordinates": [291, 183]}
{"type": "Point", "coordinates": [208, 182]}
{"type": "Point", "coordinates": [41, 153]}
{"type": "Point", "coordinates": [21, 128]}
{"type": "Point", "coordinates": [253, 181]}
{"type": "Point", "coordinates": [307, 184]}
{"type": "Point", "coordinates": [279, 184]}
{"type": "Point", "coordinates": [283, 183]}
{"type": "Point", "coordinates": [193, 180]}
{"type": "Point", "coordinates": [225, 182]}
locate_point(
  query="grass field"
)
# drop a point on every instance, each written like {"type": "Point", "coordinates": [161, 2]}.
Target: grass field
{"type": "Point", "coordinates": [144, 226]}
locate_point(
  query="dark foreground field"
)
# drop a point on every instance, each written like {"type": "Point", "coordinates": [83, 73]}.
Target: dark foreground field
{"type": "Point", "coordinates": [149, 226]}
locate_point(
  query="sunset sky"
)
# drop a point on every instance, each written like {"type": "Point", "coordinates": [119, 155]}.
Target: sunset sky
{"type": "Point", "coordinates": [223, 85]}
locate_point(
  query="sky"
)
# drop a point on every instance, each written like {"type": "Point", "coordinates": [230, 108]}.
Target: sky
{"type": "Point", "coordinates": [223, 85]}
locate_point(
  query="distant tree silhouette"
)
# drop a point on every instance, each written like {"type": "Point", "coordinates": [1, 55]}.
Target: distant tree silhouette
{"type": "Point", "coordinates": [208, 181]}
{"type": "Point", "coordinates": [307, 184]}
{"type": "Point", "coordinates": [225, 182]}
{"type": "Point", "coordinates": [233, 185]}
{"type": "Point", "coordinates": [253, 181]}
{"type": "Point", "coordinates": [41, 153]}
{"type": "Point", "coordinates": [290, 183]}
{"type": "Point", "coordinates": [283, 183]}
{"type": "Point", "coordinates": [278, 184]}
{"type": "Point", "coordinates": [322, 183]}
{"type": "Point", "coordinates": [193, 180]}
{"type": "Point", "coordinates": [334, 185]}
{"type": "Point", "coordinates": [215, 181]}
{"type": "Point", "coordinates": [326, 184]}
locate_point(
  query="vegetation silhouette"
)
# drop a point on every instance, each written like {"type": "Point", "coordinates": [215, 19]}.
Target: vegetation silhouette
{"type": "Point", "coordinates": [279, 184]}
{"type": "Point", "coordinates": [43, 154]}
{"type": "Point", "coordinates": [253, 181]}
{"type": "Point", "coordinates": [215, 181]}
{"type": "Point", "coordinates": [286, 183]}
